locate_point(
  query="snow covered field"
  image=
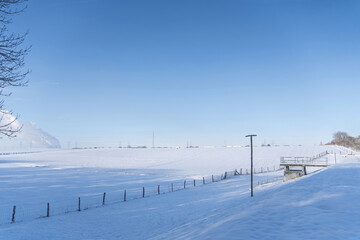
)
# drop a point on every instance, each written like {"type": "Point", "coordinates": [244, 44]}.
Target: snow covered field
{"type": "Point", "coordinates": [29, 181]}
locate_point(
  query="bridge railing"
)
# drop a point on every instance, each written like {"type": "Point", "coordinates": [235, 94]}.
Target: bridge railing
{"type": "Point", "coordinates": [303, 160]}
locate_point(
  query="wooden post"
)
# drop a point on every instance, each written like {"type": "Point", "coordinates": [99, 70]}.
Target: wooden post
{"type": "Point", "coordinates": [158, 189]}
{"type": "Point", "coordinates": [212, 178]}
{"type": "Point", "coordinates": [184, 184]}
{"type": "Point", "coordinates": [13, 214]}
{"type": "Point", "coordinates": [194, 182]}
{"type": "Point", "coordinates": [143, 192]}
{"type": "Point", "coordinates": [240, 171]}
{"type": "Point", "coordinates": [104, 198]}
{"type": "Point", "coordinates": [225, 175]}
{"type": "Point", "coordinates": [125, 195]}
{"type": "Point", "coordinates": [79, 208]}
{"type": "Point", "coordinates": [47, 210]}
{"type": "Point", "coordinates": [172, 187]}
{"type": "Point", "coordinates": [203, 180]}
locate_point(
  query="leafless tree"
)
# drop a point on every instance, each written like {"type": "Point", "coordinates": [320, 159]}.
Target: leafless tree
{"type": "Point", "coordinates": [340, 136]}
{"type": "Point", "coordinates": [343, 139]}
{"type": "Point", "coordinates": [12, 54]}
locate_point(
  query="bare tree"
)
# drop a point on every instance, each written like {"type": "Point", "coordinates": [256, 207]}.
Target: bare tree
{"type": "Point", "coordinates": [12, 55]}
{"type": "Point", "coordinates": [343, 139]}
{"type": "Point", "coordinates": [340, 136]}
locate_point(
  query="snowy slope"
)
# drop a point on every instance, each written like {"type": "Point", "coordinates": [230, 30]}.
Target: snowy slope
{"type": "Point", "coordinates": [29, 181]}
{"type": "Point", "coordinates": [320, 206]}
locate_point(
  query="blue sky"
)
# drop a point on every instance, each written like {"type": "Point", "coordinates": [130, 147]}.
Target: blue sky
{"type": "Point", "coordinates": [105, 72]}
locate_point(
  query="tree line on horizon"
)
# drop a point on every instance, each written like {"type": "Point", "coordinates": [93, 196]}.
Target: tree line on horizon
{"type": "Point", "coordinates": [343, 139]}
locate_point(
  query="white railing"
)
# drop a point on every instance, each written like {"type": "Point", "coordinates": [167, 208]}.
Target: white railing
{"type": "Point", "coordinates": [303, 160]}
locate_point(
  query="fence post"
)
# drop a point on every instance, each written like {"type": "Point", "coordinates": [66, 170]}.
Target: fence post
{"type": "Point", "coordinates": [194, 182]}
{"type": "Point", "coordinates": [225, 175]}
{"type": "Point", "coordinates": [143, 192]}
{"type": "Point", "coordinates": [104, 198]}
{"type": "Point", "coordinates": [184, 184]}
{"type": "Point", "coordinates": [212, 178]}
{"type": "Point", "coordinates": [203, 180]}
{"type": "Point", "coordinates": [240, 171]}
{"type": "Point", "coordinates": [158, 189]}
{"type": "Point", "coordinates": [47, 210]}
{"type": "Point", "coordinates": [125, 195]}
{"type": "Point", "coordinates": [172, 187]}
{"type": "Point", "coordinates": [79, 208]}
{"type": "Point", "coordinates": [13, 214]}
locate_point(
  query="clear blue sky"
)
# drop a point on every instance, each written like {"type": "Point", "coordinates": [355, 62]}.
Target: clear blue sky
{"type": "Point", "coordinates": [197, 71]}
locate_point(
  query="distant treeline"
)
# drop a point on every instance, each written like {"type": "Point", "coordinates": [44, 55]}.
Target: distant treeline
{"type": "Point", "coordinates": [343, 139]}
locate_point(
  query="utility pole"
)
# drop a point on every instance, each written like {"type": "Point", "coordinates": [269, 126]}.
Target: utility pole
{"type": "Point", "coordinates": [252, 165]}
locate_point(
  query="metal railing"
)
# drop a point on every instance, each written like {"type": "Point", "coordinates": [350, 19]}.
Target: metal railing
{"type": "Point", "coordinates": [317, 159]}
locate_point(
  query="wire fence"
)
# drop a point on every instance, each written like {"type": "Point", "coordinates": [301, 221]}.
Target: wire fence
{"type": "Point", "coordinates": [16, 153]}
{"type": "Point", "coordinates": [320, 155]}
{"type": "Point", "coordinates": [270, 181]}
{"type": "Point", "coordinates": [35, 210]}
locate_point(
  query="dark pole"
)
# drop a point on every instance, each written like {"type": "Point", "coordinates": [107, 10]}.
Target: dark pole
{"type": "Point", "coordinates": [251, 145]}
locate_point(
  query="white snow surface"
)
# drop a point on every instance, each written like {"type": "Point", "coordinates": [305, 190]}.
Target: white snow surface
{"type": "Point", "coordinates": [322, 205]}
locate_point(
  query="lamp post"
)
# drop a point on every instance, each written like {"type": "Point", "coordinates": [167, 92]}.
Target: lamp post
{"type": "Point", "coordinates": [251, 145]}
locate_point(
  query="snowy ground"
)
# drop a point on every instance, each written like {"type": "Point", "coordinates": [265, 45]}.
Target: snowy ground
{"type": "Point", "coordinates": [218, 210]}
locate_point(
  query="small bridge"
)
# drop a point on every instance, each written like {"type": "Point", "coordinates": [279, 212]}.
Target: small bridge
{"type": "Point", "coordinates": [303, 162]}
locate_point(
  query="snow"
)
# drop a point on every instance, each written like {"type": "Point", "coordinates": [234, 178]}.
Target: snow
{"type": "Point", "coordinates": [309, 207]}
{"type": "Point", "coordinates": [197, 161]}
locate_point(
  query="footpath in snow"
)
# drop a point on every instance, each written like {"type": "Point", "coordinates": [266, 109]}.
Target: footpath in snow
{"type": "Point", "coordinates": [324, 205]}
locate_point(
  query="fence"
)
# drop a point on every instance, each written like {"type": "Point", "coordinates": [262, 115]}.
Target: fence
{"type": "Point", "coordinates": [320, 155]}
{"type": "Point", "coordinates": [12, 214]}
{"type": "Point", "coordinates": [15, 153]}
{"type": "Point", "coordinates": [269, 180]}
